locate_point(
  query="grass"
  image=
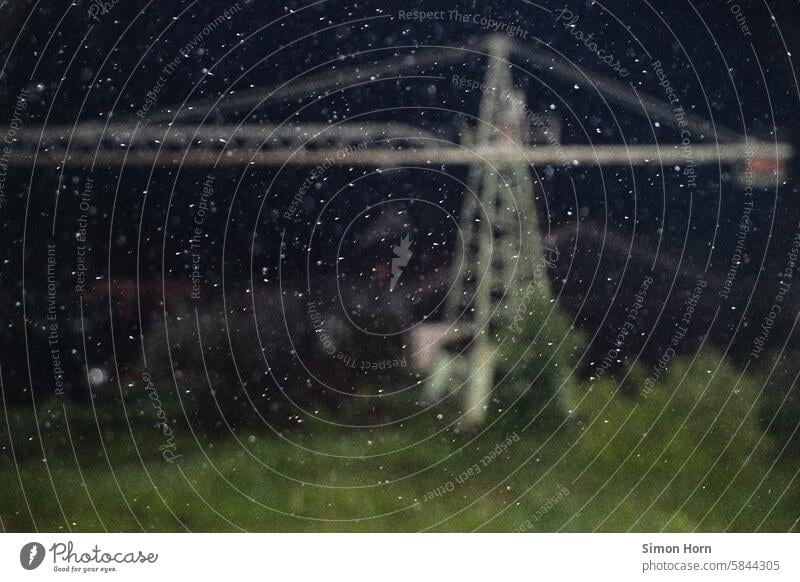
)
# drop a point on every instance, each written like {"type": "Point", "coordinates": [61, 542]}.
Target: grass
{"type": "Point", "coordinates": [690, 456]}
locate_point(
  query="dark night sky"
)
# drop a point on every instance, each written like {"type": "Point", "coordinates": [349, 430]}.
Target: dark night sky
{"type": "Point", "coordinates": [672, 32]}
{"type": "Point", "coordinates": [75, 73]}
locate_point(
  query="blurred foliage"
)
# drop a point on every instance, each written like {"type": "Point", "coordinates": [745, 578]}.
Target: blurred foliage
{"type": "Point", "coordinates": [693, 443]}
{"type": "Point", "coordinates": [690, 455]}
{"type": "Point", "coordinates": [540, 349]}
{"type": "Point", "coordinates": [780, 404]}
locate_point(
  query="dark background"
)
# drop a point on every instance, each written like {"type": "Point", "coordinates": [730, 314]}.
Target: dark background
{"type": "Point", "coordinates": [75, 75]}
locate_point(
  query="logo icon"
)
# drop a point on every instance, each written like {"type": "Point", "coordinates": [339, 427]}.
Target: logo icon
{"type": "Point", "coordinates": [31, 555]}
{"type": "Point", "coordinates": [402, 256]}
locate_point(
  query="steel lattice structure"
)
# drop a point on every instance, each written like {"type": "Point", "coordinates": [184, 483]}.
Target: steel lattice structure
{"type": "Point", "coordinates": [499, 225]}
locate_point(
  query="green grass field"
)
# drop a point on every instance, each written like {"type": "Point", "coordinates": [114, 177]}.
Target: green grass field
{"type": "Point", "coordinates": [692, 459]}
